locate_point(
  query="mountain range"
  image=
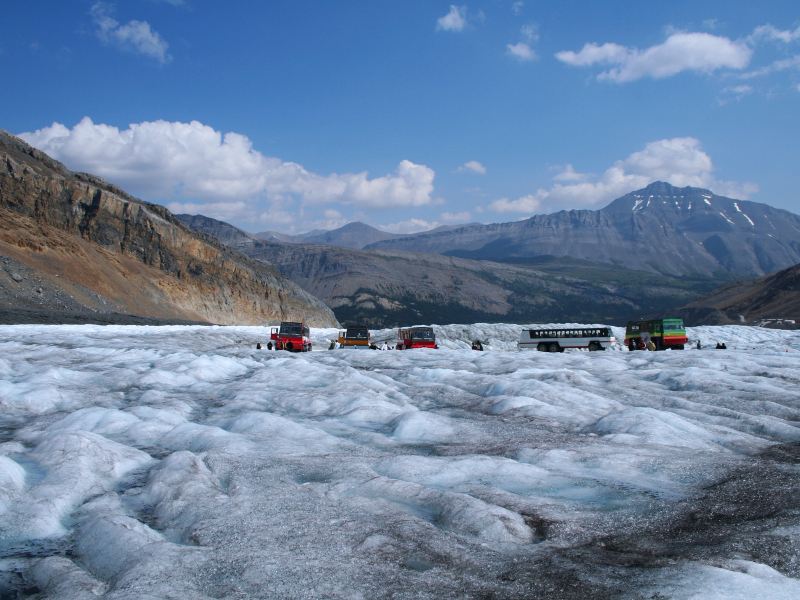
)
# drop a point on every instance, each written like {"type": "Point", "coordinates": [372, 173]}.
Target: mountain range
{"type": "Point", "coordinates": [354, 235]}
{"type": "Point", "coordinates": [74, 248]}
{"type": "Point", "coordinates": [661, 229]}
{"type": "Point", "coordinates": [646, 253]}
{"type": "Point", "coordinates": [387, 288]}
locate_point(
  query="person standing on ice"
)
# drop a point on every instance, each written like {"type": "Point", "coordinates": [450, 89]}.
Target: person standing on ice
{"type": "Point", "coordinates": [698, 345]}
{"type": "Point", "coordinates": [385, 346]}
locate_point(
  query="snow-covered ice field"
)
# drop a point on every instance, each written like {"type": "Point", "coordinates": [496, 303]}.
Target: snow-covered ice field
{"type": "Point", "coordinates": [181, 462]}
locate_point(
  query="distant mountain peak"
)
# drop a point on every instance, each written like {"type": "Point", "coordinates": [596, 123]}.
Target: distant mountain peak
{"type": "Point", "coordinates": [661, 196]}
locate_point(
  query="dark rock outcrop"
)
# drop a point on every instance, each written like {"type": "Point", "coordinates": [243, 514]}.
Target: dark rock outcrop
{"type": "Point", "coordinates": [99, 251]}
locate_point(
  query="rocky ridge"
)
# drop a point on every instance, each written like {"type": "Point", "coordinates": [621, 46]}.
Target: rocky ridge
{"type": "Point", "coordinates": [771, 301]}
{"type": "Point", "coordinates": [96, 254]}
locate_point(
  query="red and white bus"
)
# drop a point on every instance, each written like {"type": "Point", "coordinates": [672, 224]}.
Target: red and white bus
{"type": "Point", "coordinates": [416, 337]}
{"type": "Point", "coordinates": [291, 336]}
{"type": "Point", "coordinates": [558, 339]}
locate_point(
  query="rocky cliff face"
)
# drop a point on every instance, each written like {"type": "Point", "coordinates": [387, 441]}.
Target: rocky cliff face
{"type": "Point", "coordinates": [661, 229]}
{"type": "Point", "coordinates": [98, 251]}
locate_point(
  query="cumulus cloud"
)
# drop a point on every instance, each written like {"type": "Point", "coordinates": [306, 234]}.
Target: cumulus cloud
{"type": "Point", "coordinates": [679, 161]}
{"type": "Point", "coordinates": [175, 160]}
{"type": "Point", "coordinates": [680, 52]}
{"type": "Point", "coordinates": [133, 36]}
{"type": "Point", "coordinates": [517, 6]}
{"type": "Point", "coordinates": [454, 20]}
{"type": "Point", "coordinates": [473, 166]}
{"type": "Point", "coordinates": [521, 51]}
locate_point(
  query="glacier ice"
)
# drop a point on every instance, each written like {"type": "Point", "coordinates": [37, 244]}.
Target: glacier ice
{"type": "Point", "coordinates": [182, 462]}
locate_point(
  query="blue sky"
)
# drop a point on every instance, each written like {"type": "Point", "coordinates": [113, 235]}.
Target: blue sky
{"type": "Point", "coordinates": [293, 115]}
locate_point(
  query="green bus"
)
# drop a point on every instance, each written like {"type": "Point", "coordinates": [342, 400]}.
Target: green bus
{"type": "Point", "coordinates": [664, 333]}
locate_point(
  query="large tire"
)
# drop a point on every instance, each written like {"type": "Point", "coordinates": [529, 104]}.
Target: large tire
{"type": "Point", "coordinates": [594, 346]}
{"type": "Point", "coordinates": [540, 347]}
{"type": "Point", "coordinates": [678, 347]}
{"type": "Point", "coordinates": [552, 347]}
{"type": "Point", "coordinates": [289, 346]}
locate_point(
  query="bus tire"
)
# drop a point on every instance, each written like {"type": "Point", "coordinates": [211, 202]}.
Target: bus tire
{"type": "Point", "coordinates": [540, 347]}
{"type": "Point", "coordinates": [289, 346]}
{"type": "Point", "coordinates": [594, 346]}
{"type": "Point", "coordinates": [552, 347]}
{"type": "Point", "coordinates": [678, 346]}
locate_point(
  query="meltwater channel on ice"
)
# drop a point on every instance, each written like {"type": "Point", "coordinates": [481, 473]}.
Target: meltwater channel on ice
{"type": "Point", "coordinates": [181, 462]}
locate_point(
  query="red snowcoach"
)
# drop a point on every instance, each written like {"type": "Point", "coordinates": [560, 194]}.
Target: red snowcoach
{"type": "Point", "coordinates": [294, 337]}
{"type": "Point", "coordinates": [416, 337]}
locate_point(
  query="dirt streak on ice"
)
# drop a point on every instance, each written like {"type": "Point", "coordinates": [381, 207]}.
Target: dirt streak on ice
{"type": "Point", "coordinates": [156, 461]}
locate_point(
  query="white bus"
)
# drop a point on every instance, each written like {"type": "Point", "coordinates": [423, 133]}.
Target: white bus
{"type": "Point", "coordinates": [558, 339]}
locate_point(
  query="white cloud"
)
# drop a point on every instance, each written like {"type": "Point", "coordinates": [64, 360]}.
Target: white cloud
{"type": "Point", "coordinates": [734, 93]}
{"type": "Point", "coordinates": [415, 225]}
{"type": "Point", "coordinates": [410, 226]}
{"type": "Point", "coordinates": [517, 6]}
{"type": "Point", "coordinates": [175, 160]}
{"type": "Point", "coordinates": [679, 161]}
{"type": "Point", "coordinates": [777, 66]}
{"type": "Point", "coordinates": [681, 51]}
{"type": "Point", "coordinates": [521, 51]}
{"type": "Point", "coordinates": [771, 33]}
{"type": "Point", "coordinates": [473, 166]}
{"type": "Point", "coordinates": [454, 218]}
{"type": "Point", "coordinates": [454, 20]}
{"type": "Point", "coordinates": [133, 36]}
{"type": "Point", "coordinates": [568, 173]}
{"type": "Point", "coordinates": [530, 32]}
{"type": "Point", "coordinates": [524, 204]}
